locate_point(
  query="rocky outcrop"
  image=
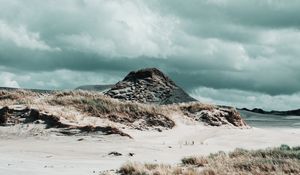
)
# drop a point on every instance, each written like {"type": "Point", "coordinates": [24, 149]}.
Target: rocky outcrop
{"type": "Point", "coordinates": [149, 85]}
{"type": "Point", "coordinates": [216, 116]}
{"type": "Point", "coordinates": [19, 114]}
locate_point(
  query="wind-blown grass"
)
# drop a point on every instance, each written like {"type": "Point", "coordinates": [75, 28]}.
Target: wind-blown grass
{"type": "Point", "coordinates": [92, 104]}
{"type": "Point", "coordinates": [280, 160]}
{"type": "Point", "coordinates": [95, 104]}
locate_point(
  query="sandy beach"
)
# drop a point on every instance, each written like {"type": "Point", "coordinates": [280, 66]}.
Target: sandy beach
{"type": "Point", "coordinates": [77, 155]}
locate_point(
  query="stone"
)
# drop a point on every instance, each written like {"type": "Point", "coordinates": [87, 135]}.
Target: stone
{"type": "Point", "coordinates": [131, 154]}
{"type": "Point", "coordinates": [114, 153]}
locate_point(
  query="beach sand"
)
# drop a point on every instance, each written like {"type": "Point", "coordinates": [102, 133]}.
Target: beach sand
{"type": "Point", "coordinates": [88, 155]}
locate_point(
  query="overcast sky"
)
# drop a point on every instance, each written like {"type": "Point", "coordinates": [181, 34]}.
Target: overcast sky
{"type": "Point", "coordinates": [234, 52]}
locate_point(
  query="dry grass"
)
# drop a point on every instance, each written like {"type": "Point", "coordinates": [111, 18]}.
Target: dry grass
{"type": "Point", "coordinates": [281, 160]}
{"type": "Point", "coordinates": [97, 104]}
{"type": "Point", "coordinates": [8, 97]}
{"type": "Point", "coordinates": [135, 115]}
{"type": "Point", "coordinates": [67, 104]}
{"type": "Point", "coordinates": [197, 161]}
{"type": "Point", "coordinates": [156, 169]}
{"type": "Point", "coordinates": [195, 107]}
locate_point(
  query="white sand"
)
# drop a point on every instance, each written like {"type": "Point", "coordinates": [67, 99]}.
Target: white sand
{"type": "Point", "coordinates": [67, 156]}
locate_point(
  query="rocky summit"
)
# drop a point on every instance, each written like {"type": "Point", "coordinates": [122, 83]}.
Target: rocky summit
{"type": "Point", "coordinates": [149, 85]}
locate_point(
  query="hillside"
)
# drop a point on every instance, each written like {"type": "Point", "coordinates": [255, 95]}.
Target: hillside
{"type": "Point", "coordinates": [149, 85]}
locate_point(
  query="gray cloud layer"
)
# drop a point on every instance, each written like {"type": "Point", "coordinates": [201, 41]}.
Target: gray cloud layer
{"type": "Point", "coordinates": [248, 46]}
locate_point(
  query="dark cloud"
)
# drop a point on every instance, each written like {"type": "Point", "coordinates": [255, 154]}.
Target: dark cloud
{"type": "Point", "coordinates": [248, 46]}
{"type": "Point", "coordinates": [256, 13]}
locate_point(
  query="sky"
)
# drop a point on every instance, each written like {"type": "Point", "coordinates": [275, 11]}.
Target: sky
{"type": "Point", "coordinates": [231, 52]}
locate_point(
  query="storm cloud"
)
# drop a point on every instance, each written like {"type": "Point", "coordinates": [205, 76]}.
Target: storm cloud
{"type": "Point", "coordinates": [237, 49]}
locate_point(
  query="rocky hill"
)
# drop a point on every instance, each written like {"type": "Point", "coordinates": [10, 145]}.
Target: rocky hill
{"type": "Point", "coordinates": [295, 112]}
{"type": "Point", "coordinates": [149, 85]}
{"type": "Point", "coordinates": [94, 87]}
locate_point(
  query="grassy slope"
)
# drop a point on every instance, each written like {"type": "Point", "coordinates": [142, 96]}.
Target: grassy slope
{"type": "Point", "coordinates": [134, 115]}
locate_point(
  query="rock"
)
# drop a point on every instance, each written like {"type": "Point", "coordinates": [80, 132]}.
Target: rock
{"type": "Point", "coordinates": [216, 116]}
{"type": "Point", "coordinates": [148, 85]}
{"type": "Point", "coordinates": [114, 153]}
{"type": "Point", "coordinates": [131, 154]}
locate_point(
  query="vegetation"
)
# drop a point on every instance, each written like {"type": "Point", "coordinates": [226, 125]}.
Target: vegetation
{"type": "Point", "coordinates": [132, 114]}
{"type": "Point", "coordinates": [281, 160]}
{"type": "Point", "coordinates": [71, 104]}
{"type": "Point", "coordinates": [91, 104]}
{"type": "Point", "coordinates": [157, 169]}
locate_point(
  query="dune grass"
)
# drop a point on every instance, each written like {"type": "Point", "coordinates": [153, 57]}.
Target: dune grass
{"type": "Point", "coordinates": [279, 160]}
{"type": "Point", "coordinates": [92, 104]}
{"type": "Point", "coordinates": [95, 104]}
{"type": "Point", "coordinates": [132, 114]}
